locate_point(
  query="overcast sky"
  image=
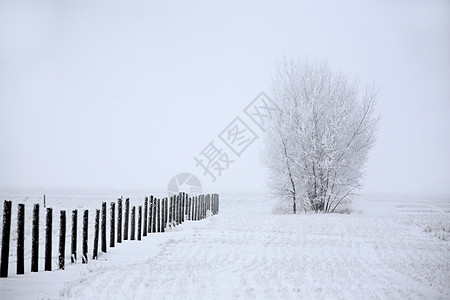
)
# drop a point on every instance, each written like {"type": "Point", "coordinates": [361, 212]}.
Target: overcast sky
{"type": "Point", "coordinates": [124, 94]}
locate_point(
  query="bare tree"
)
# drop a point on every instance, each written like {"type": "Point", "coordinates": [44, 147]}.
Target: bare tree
{"type": "Point", "coordinates": [317, 145]}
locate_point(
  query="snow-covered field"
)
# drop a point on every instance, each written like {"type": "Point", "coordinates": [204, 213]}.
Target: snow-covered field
{"type": "Point", "coordinates": [390, 247]}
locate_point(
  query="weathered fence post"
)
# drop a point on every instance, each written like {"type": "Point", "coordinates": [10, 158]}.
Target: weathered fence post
{"type": "Point", "coordinates": [48, 240]}
{"type": "Point", "coordinates": [200, 207]}
{"type": "Point", "coordinates": [154, 209]}
{"type": "Point", "coordinates": [96, 229]}
{"type": "Point", "coordinates": [139, 229]}
{"type": "Point", "coordinates": [112, 224]}
{"type": "Point", "coordinates": [150, 214]}
{"type": "Point", "coordinates": [6, 234]}
{"type": "Point", "coordinates": [170, 211]}
{"type": "Point", "coordinates": [200, 201]}
{"type": "Point", "coordinates": [127, 217]}
{"type": "Point", "coordinates": [62, 240]}
{"type": "Point", "coordinates": [119, 220]}
{"type": "Point", "coordinates": [196, 208]}
{"type": "Point", "coordinates": [73, 252]}
{"type": "Point", "coordinates": [158, 205]}
{"type": "Point", "coordinates": [165, 214]}
{"type": "Point", "coordinates": [35, 239]}
{"type": "Point", "coordinates": [189, 208]}
{"type": "Point", "coordinates": [20, 238]}
{"type": "Point", "coordinates": [144, 232]}
{"type": "Point", "coordinates": [217, 207]}
{"type": "Point", "coordinates": [84, 257]}
{"type": "Point", "coordinates": [177, 213]}
{"type": "Point", "coordinates": [133, 222]}
{"type": "Point", "coordinates": [183, 202]}
{"type": "Point", "coordinates": [163, 217]}
{"type": "Point", "coordinates": [103, 243]}
{"type": "Point", "coordinates": [193, 208]}
{"type": "Point", "coordinates": [203, 207]}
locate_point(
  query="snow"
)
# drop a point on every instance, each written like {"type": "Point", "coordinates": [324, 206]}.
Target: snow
{"type": "Point", "coordinates": [390, 247]}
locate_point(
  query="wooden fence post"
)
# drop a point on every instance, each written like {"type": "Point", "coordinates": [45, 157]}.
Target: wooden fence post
{"type": "Point", "coordinates": [178, 208]}
{"type": "Point", "coordinates": [164, 214]}
{"type": "Point", "coordinates": [189, 208]}
{"type": "Point", "coordinates": [6, 234]}
{"type": "Point", "coordinates": [139, 229]}
{"type": "Point", "coordinates": [133, 222]}
{"type": "Point", "coordinates": [48, 240]}
{"type": "Point", "coordinates": [73, 252]}
{"type": "Point", "coordinates": [163, 217]}
{"type": "Point", "coordinates": [150, 214]}
{"type": "Point", "coordinates": [183, 203]}
{"type": "Point", "coordinates": [103, 243]}
{"type": "Point", "coordinates": [170, 211]}
{"type": "Point", "coordinates": [84, 257]}
{"type": "Point", "coordinates": [154, 209]}
{"type": "Point", "coordinates": [144, 232]}
{"type": "Point", "coordinates": [112, 216]}
{"type": "Point", "coordinates": [35, 239]}
{"type": "Point", "coordinates": [158, 205]}
{"type": "Point", "coordinates": [193, 208]}
{"type": "Point", "coordinates": [20, 238]}
{"type": "Point", "coordinates": [119, 220]}
{"type": "Point", "coordinates": [217, 208]}
{"type": "Point", "coordinates": [62, 240]}
{"type": "Point", "coordinates": [96, 229]}
{"type": "Point", "coordinates": [127, 217]}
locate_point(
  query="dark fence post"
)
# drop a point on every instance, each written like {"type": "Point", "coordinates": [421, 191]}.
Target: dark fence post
{"type": "Point", "coordinates": [112, 224]}
{"type": "Point", "coordinates": [144, 232]}
{"type": "Point", "coordinates": [200, 211]}
{"type": "Point", "coordinates": [154, 208]}
{"type": "Point", "coordinates": [139, 229]}
{"type": "Point", "coordinates": [48, 240]}
{"type": "Point", "coordinates": [170, 211]}
{"type": "Point", "coordinates": [217, 207]}
{"type": "Point", "coordinates": [188, 208]}
{"type": "Point", "coordinates": [103, 243]}
{"type": "Point", "coordinates": [73, 252]}
{"type": "Point", "coordinates": [35, 239]}
{"type": "Point", "coordinates": [20, 238]}
{"type": "Point", "coordinates": [84, 257]}
{"type": "Point", "coordinates": [133, 222]}
{"type": "Point", "coordinates": [177, 213]}
{"type": "Point", "coordinates": [96, 231]}
{"type": "Point", "coordinates": [164, 214]}
{"type": "Point", "coordinates": [119, 220]}
{"type": "Point", "coordinates": [193, 208]}
{"type": "Point", "coordinates": [127, 217]}
{"type": "Point", "coordinates": [62, 240]}
{"type": "Point", "coordinates": [150, 214]}
{"type": "Point", "coordinates": [166, 211]}
{"type": "Point", "coordinates": [203, 207]}
{"type": "Point", "coordinates": [6, 234]}
{"type": "Point", "coordinates": [183, 208]}
{"type": "Point", "coordinates": [158, 207]}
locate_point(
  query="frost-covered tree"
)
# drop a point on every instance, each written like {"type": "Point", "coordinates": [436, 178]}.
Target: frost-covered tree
{"type": "Point", "coordinates": [317, 145]}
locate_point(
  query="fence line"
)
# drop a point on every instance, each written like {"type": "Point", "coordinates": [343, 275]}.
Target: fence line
{"type": "Point", "coordinates": [154, 216]}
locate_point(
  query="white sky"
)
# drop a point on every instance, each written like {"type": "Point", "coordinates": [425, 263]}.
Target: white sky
{"type": "Point", "coordinates": [123, 94]}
